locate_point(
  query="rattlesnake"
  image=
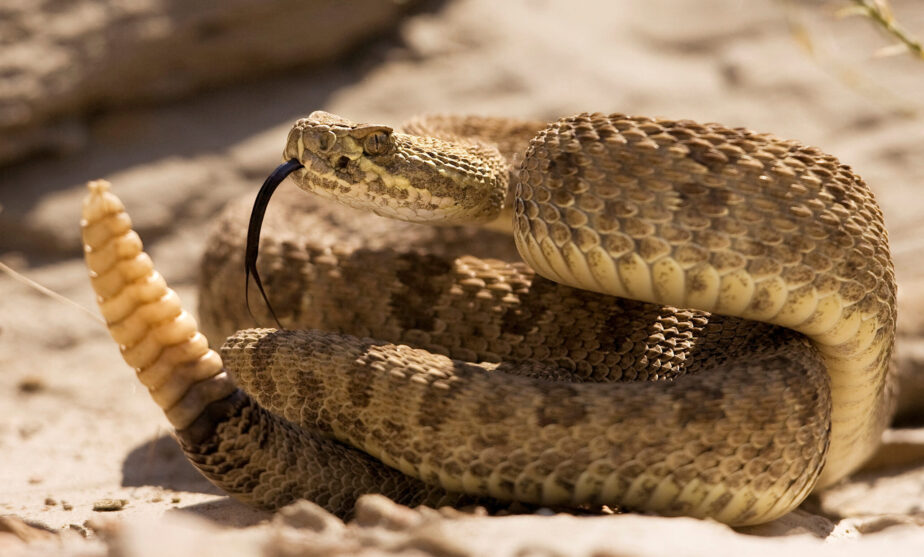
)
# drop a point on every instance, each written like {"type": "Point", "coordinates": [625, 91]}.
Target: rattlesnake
{"type": "Point", "coordinates": [475, 379]}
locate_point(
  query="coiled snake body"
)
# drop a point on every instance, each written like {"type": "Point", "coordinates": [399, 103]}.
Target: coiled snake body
{"type": "Point", "coordinates": [475, 378]}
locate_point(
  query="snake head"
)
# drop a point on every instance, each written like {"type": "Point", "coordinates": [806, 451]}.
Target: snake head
{"type": "Point", "coordinates": [418, 179]}
{"type": "Point", "coordinates": [337, 154]}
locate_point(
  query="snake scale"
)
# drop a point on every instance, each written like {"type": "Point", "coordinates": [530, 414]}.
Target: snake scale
{"type": "Point", "coordinates": [703, 324]}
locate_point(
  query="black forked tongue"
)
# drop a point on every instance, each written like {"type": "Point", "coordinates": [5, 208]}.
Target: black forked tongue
{"type": "Point", "coordinates": [253, 232]}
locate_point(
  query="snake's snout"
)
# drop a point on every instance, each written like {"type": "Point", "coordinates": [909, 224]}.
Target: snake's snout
{"type": "Point", "coordinates": [320, 140]}
{"type": "Point", "coordinates": [321, 147]}
{"type": "Point", "coordinates": [295, 144]}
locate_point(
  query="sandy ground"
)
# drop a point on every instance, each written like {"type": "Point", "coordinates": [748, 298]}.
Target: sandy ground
{"type": "Point", "coordinates": [76, 428]}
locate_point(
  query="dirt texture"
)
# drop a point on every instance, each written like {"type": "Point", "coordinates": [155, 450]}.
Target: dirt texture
{"type": "Point", "coordinates": [63, 60]}
{"type": "Point", "coordinates": [185, 119]}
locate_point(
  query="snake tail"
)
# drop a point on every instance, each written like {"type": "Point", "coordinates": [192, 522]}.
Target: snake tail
{"type": "Point", "coordinates": [155, 334]}
{"type": "Point", "coordinates": [240, 447]}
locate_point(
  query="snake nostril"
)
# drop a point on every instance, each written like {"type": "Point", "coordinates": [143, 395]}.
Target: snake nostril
{"type": "Point", "coordinates": [342, 162]}
{"type": "Point", "coordinates": [326, 141]}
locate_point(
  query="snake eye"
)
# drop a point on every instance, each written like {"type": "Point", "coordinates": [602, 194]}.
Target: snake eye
{"type": "Point", "coordinates": [376, 143]}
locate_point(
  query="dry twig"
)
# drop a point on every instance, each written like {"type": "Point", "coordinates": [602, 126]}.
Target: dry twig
{"type": "Point", "coordinates": [880, 13]}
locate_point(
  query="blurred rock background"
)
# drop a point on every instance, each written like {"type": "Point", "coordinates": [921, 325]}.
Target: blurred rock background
{"type": "Point", "coordinates": [185, 105]}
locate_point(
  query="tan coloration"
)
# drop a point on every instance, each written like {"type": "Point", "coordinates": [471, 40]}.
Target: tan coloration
{"type": "Point", "coordinates": [507, 432]}
{"type": "Point", "coordinates": [266, 461]}
{"type": "Point", "coordinates": [481, 310]}
{"type": "Point", "coordinates": [156, 336]}
{"type": "Point", "coordinates": [509, 136]}
{"type": "Point", "coordinates": [369, 166]}
{"type": "Point", "coordinates": [479, 376]}
{"type": "Point", "coordinates": [239, 446]}
{"type": "Point", "coordinates": [792, 236]}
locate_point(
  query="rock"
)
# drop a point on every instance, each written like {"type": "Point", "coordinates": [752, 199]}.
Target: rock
{"type": "Point", "coordinates": [305, 529]}
{"type": "Point", "coordinates": [305, 515]}
{"type": "Point", "coordinates": [380, 511]}
{"type": "Point", "coordinates": [109, 505]}
{"type": "Point", "coordinates": [25, 531]}
{"type": "Point", "coordinates": [180, 534]}
{"type": "Point", "coordinates": [61, 60]}
{"type": "Point", "coordinates": [563, 534]}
